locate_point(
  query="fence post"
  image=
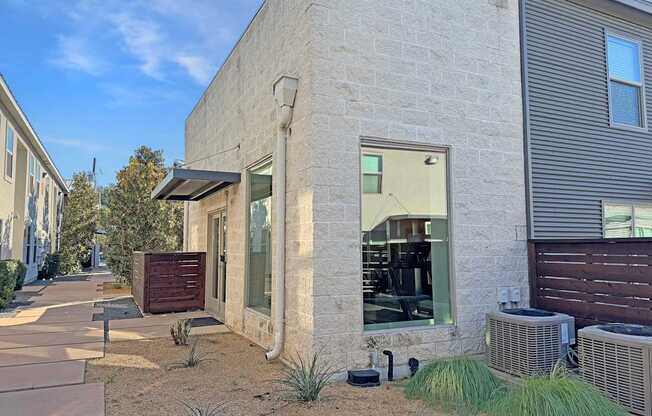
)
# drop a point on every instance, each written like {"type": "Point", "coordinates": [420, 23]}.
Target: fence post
{"type": "Point", "coordinates": [532, 271]}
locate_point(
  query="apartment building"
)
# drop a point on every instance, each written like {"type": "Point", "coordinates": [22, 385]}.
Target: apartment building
{"type": "Point", "coordinates": [588, 68]}
{"type": "Point", "coordinates": [32, 191]}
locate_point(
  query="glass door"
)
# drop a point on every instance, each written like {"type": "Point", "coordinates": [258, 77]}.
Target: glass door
{"type": "Point", "coordinates": [219, 262]}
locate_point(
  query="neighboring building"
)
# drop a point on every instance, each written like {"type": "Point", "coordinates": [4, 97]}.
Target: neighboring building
{"type": "Point", "coordinates": [588, 66]}
{"type": "Point", "coordinates": [404, 184]}
{"type": "Point", "coordinates": [32, 190]}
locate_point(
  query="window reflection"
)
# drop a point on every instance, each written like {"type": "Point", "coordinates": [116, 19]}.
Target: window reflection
{"type": "Point", "coordinates": [405, 241]}
{"type": "Point", "coordinates": [260, 239]}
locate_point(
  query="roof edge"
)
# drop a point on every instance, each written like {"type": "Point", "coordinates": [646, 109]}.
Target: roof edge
{"type": "Point", "coordinates": [33, 138]}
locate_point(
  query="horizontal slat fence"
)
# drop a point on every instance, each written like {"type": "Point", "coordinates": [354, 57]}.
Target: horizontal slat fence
{"type": "Point", "coordinates": [595, 281]}
{"type": "Point", "coordinates": [169, 282]}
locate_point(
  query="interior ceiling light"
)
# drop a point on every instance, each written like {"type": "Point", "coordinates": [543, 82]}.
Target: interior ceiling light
{"type": "Point", "coordinates": [431, 160]}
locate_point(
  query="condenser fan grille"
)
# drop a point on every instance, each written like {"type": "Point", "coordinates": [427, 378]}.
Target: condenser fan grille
{"type": "Point", "coordinates": [523, 350]}
{"type": "Point", "coordinates": [619, 371]}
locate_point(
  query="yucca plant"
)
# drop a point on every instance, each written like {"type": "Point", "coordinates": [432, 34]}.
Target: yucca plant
{"type": "Point", "coordinates": [557, 394]}
{"type": "Point", "coordinates": [193, 409]}
{"type": "Point", "coordinates": [180, 331]}
{"type": "Point", "coordinates": [194, 357]}
{"type": "Point", "coordinates": [305, 380]}
{"type": "Point", "coordinates": [460, 382]}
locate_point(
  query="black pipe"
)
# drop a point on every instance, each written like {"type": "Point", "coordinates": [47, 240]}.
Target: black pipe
{"type": "Point", "coordinates": [414, 366]}
{"type": "Point", "coordinates": [390, 367]}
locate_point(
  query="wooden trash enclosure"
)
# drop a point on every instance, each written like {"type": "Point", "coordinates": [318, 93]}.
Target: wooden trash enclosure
{"type": "Point", "coordinates": [596, 281]}
{"type": "Point", "coordinates": [168, 282]}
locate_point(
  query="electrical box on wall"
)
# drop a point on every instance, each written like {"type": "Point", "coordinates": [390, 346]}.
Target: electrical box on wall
{"type": "Point", "coordinates": [515, 295]}
{"type": "Point", "coordinates": [503, 295]}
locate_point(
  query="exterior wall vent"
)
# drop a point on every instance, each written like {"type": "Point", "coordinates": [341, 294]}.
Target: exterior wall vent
{"type": "Point", "coordinates": [527, 342]}
{"type": "Point", "coordinates": [616, 358]}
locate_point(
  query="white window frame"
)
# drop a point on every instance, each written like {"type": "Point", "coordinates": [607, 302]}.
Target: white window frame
{"type": "Point", "coordinates": [640, 85]}
{"type": "Point", "coordinates": [31, 172]}
{"type": "Point", "coordinates": [9, 174]}
{"type": "Point", "coordinates": [631, 204]}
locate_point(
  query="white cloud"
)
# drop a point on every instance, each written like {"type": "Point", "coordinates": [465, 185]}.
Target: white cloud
{"type": "Point", "coordinates": [197, 67]}
{"type": "Point", "coordinates": [72, 53]}
{"type": "Point", "coordinates": [144, 41]}
{"type": "Point", "coordinates": [160, 36]}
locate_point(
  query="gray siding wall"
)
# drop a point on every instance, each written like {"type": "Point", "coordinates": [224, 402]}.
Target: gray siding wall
{"type": "Point", "coordinates": [576, 160]}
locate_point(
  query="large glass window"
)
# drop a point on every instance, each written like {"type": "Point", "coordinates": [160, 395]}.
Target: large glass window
{"type": "Point", "coordinates": [260, 239]}
{"type": "Point", "coordinates": [405, 241]}
{"type": "Point", "coordinates": [9, 153]}
{"type": "Point", "coordinates": [625, 82]}
{"type": "Point", "coordinates": [627, 220]}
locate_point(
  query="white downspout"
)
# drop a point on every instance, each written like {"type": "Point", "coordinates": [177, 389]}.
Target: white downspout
{"type": "Point", "coordinates": [285, 90]}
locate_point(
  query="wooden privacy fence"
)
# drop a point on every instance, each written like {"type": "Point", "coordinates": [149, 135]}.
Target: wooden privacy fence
{"type": "Point", "coordinates": [596, 281]}
{"type": "Point", "coordinates": [168, 282]}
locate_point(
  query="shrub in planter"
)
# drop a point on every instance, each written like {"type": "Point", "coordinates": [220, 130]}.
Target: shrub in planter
{"type": "Point", "coordinates": [9, 270]}
{"type": "Point", "coordinates": [459, 382]}
{"type": "Point", "coordinates": [21, 271]}
{"type": "Point", "coordinates": [558, 394]}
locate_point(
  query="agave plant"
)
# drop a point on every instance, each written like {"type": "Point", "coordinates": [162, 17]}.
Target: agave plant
{"type": "Point", "coordinates": [557, 394]}
{"type": "Point", "coordinates": [180, 331]}
{"type": "Point", "coordinates": [305, 379]}
{"type": "Point", "coordinates": [208, 409]}
{"type": "Point", "coordinates": [460, 382]}
{"type": "Point", "coordinates": [194, 357]}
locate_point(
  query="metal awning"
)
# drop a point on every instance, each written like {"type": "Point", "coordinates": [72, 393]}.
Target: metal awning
{"type": "Point", "coordinates": [193, 185]}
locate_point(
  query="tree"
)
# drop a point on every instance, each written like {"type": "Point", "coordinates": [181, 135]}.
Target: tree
{"type": "Point", "coordinates": [79, 224]}
{"type": "Point", "coordinates": [136, 222]}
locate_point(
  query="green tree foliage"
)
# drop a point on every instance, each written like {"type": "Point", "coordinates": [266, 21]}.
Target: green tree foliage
{"type": "Point", "coordinates": [79, 224]}
{"type": "Point", "coordinates": [136, 222]}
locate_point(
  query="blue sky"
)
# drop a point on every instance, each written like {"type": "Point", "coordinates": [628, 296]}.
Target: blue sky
{"type": "Point", "coordinates": [101, 77]}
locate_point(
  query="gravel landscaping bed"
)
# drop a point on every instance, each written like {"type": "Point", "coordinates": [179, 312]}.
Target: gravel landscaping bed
{"type": "Point", "coordinates": [139, 382]}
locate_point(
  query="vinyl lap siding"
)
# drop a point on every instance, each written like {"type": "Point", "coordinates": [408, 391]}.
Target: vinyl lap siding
{"type": "Point", "coordinates": [576, 159]}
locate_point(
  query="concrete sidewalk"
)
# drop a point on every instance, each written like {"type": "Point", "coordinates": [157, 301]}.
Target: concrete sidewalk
{"type": "Point", "coordinates": [44, 344]}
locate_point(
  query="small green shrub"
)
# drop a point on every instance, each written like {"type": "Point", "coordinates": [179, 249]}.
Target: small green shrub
{"type": "Point", "coordinates": [180, 331]}
{"type": "Point", "coordinates": [52, 262]}
{"type": "Point", "coordinates": [193, 409]}
{"type": "Point", "coordinates": [457, 382]}
{"type": "Point", "coordinates": [193, 359]}
{"type": "Point", "coordinates": [9, 273]}
{"type": "Point", "coordinates": [558, 394]}
{"type": "Point", "coordinates": [21, 271]}
{"type": "Point", "coordinates": [306, 379]}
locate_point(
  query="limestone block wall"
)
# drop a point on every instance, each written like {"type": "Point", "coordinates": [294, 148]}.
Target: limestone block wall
{"type": "Point", "coordinates": [238, 109]}
{"type": "Point", "coordinates": [445, 73]}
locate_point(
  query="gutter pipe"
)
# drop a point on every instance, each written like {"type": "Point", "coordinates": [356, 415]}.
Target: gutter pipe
{"type": "Point", "coordinates": [285, 90]}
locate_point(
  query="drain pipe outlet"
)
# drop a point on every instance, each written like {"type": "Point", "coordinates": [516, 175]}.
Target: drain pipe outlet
{"type": "Point", "coordinates": [285, 92]}
{"type": "Point", "coordinates": [390, 365]}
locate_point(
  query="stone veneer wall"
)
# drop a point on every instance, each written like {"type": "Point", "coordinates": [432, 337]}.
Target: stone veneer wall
{"type": "Point", "coordinates": [238, 108]}
{"type": "Point", "coordinates": [438, 72]}
{"type": "Point", "coordinates": [445, 73]}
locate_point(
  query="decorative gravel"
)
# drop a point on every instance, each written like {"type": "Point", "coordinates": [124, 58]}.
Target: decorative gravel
{"type": "Point", "coordinates": [139, 382]}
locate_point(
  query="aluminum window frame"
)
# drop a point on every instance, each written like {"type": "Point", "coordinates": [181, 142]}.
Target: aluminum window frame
{"type": "Point", "coordinates": [640, 85]}
{"type": "Point", "coordinates": [268, 159]}
{"type": "Point", "coordinates": [366, 144]}
{"type": "Point", "coordinates": [633, 205]}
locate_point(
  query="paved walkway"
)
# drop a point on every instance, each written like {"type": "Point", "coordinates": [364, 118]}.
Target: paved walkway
{"type": "Point", "coordinates": [45, 341]}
